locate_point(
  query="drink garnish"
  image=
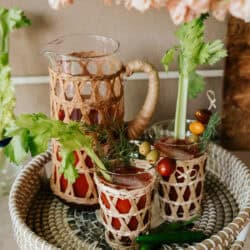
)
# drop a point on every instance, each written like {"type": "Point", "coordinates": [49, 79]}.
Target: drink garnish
{"type": "Point", "coordinates": [192, 52]}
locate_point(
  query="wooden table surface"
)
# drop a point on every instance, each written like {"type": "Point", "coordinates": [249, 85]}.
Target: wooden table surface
{"type": "Point", "coordinates": [7, 241]}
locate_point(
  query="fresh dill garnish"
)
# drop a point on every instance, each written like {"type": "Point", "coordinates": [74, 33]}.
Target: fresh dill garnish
{"type": "Point", "coordinates": [102, 133]}
{"type": "Point", "coordinates": [124, 149]}
{"type": "Point", "coordinates": [118, 145]}
{"type": "Point", "coordinates": [211, 129]}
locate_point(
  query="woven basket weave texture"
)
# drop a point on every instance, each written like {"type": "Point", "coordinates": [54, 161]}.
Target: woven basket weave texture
{"type": "Point", "coordinates": [228, 184]}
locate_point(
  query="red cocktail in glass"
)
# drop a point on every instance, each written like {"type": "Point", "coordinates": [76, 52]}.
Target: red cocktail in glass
{"type": "Point", "coordinates": [125, 200]}
{"type": "Point", "coordinates": [181, 190]}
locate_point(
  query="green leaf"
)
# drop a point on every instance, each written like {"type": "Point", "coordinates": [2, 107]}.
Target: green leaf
{"type": "Point", "coordinates": [39, 129]}
{"type": "Point", "coordinates": [212, 52]}
{"type": "Point", "coordinates": [17, 149]}
{"type": "Point", "coordinates": [196, 85]}
{"type": "Point", "coordinates": [193, 52]}
{"type": "Point", "coordinates": [168, 58]}
{"type": "Point", "coordinates": [67, 167]}
{"type": "Point", "coordinates": [10, 19]}
{"type": "Point", "coordinates": [39, 144]}
{"type": "Point", "coordinates": [16, 19]}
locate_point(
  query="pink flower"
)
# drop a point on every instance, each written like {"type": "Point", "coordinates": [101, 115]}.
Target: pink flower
{"type": "Point", "coordinates": [240, 9]}
{"type": "Point", "coordinates": [56, 4]}
{"type": "Point", "coordinates": [219, 9]}
{"type": "Point", "coordinates": [178, 11]}
{"type": "Point", "coordinates": [158, 3]}
{"type": "Point", "coordinates": [184, 10]}
{"type": "Point", "coordinates": [190, 15]}
{"type": "Point", "coordinates": [198, 6]}
{"type": "Point", "coordinates": [141, 5]}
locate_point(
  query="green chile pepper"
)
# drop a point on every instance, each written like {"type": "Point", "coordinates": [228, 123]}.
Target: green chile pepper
{"type": "Point", "coordinates": [171, 237]}
{"type": "Point", "coordinates": [174, 226]}
{"type": "Point", "coordinates": [146, 246]}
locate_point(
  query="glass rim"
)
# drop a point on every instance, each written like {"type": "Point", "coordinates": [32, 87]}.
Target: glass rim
{"type": "Point", "coordinates": [143, 170]}
{"type": "Point", "coordinates": [173, 144]}
{"type": "Point", "coordinates": [47, 51]}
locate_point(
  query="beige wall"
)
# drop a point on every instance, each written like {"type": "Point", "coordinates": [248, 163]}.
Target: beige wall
{"type": "Point", "coordinates": [144, 36]}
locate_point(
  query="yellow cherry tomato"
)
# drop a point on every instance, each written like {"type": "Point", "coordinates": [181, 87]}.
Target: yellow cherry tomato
{"type": "Point", "coordinates": [196, 128]}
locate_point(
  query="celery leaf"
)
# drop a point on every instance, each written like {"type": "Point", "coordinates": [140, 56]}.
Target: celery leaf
{"type": "Point", "coordinates": [168, 58]}
{"type": "Point", "coordinates": [68, 169]}
{"type": "Point", "coordinates": [18, 147]}
{"type": "Point", "coordinates": [32, 132]}
{"type": "Point", "coordinates": [196, 85]}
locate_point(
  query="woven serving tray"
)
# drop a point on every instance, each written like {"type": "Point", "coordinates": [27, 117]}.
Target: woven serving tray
{"type": "Point", "coordinates": [41, 221]}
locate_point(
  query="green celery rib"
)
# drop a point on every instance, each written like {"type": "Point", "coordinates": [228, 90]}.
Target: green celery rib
{"type": "Point", "coordinates": [181, 107]}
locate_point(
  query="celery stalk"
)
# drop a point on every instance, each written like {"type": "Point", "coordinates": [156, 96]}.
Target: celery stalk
{"type": "Point", "coordinates": [192, 52]}
{"type": "Point", "coordinates": [10, 19]}
{"type": "Point", "coordinates": [181, 107]}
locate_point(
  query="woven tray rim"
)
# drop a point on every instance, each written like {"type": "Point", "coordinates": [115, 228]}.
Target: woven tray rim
{"type": "Point", "coordinates": [223, 238]}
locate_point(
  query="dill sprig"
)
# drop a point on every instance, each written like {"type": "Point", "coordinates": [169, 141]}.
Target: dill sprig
{"type": "Point", "coordinates": [119, 145]}
{"type": "Point", "coordinates": [124, 149]}
{"type": "Point", "coordinates": [211, 129]}
{"type": "Point", "coordinates": [102, 133]}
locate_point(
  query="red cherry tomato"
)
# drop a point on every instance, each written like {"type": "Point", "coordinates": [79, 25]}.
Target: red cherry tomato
{"type": "Point", "coordinates": [165, 167]}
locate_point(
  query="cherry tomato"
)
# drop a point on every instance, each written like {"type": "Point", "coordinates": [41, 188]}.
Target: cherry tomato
{"type": "Point", "coordinates": [203, 115]}
{"type": "Point", "coordinates": [197, 128]}
{"type": "Point", "coordinates": [166, 166]}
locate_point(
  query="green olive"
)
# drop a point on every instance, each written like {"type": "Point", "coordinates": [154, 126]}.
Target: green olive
{"type": "Point", "coordinates": [153, 156]}
{"type": "Point", "coordinates": [193, 138]}
{"type": "Point", "coordinates": [144, 148]}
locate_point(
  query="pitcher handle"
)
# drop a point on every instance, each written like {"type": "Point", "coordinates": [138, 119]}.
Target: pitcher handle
{"type": "Point", "coordinates": [140, 122]}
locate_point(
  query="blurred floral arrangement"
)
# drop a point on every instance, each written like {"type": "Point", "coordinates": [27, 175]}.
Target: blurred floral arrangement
{"type": "Point", "coordinates": [181, 10]}
{"type": "Point", "coordinates": [56, 4]}
{"type": "Point", "coordinates": [186, 10]}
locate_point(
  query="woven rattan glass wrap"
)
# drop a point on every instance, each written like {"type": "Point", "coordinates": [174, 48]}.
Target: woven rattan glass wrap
{"type": "Point", "coordinates": [123, 225]}
{"type": "Point", "coordinates": [83, 191]}
{"type": "Point", "coordinates": [180, 196]}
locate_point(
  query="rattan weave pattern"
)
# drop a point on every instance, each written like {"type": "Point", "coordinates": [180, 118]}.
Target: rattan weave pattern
{"type": "Point", "coordinates": [41, 221]}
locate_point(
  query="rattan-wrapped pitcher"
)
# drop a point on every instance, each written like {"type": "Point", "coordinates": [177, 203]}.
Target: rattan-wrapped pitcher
{"type": "Point", "coordinates": [86, 85]}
